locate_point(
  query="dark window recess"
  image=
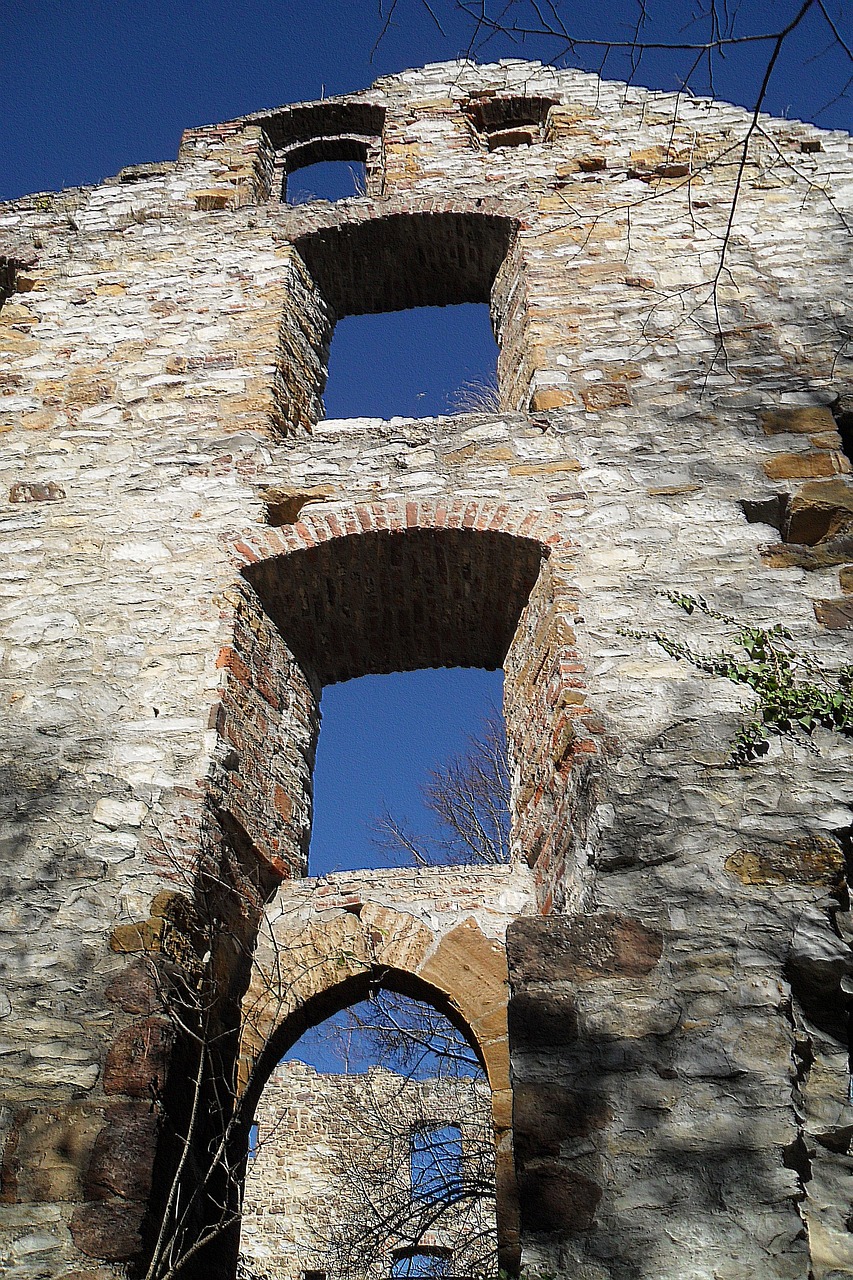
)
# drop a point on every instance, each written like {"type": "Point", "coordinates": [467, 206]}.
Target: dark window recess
{"type": "Point", "coordinates": [436, 1164]}
{"type": "Point", "coordinates": [313, 1275]}
{"type": "Point", "coordinates": [509, 121]}
{"type": "Point", "coordinates": [842, 411]}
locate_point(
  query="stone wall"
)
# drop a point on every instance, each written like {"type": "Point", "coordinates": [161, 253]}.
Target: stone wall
{"type": "Point", "coordinates": [676, 1022]}
{"type": "Point", "coordinates": [317, 1132]}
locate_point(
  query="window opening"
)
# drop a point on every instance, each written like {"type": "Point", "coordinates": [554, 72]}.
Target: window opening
{"type": "Point", "coordinates": [413, 364]}
{"type": "Point", "coordinates": [253, 1141]}
{"type": "Point", "coordinates": [325, 180]}
{"type": "Point", "coordinates": [383, 741]}
{"type": "Point", "coordinates": [509, 121]}
{"type": "Point", "coordinates": [436, 1163]}
{"type": "Point", "coordinates": [421, 1262]}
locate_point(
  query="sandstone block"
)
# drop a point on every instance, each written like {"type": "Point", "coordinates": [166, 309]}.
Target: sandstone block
{"type": "Point", "coordinates": [581, 948]}
{"type": "Point", "coordinates": [806, 420]}
{"type": "Point", "coordinates": [813, 859]}
{"type": "Point", "coordinates": [799, 466]}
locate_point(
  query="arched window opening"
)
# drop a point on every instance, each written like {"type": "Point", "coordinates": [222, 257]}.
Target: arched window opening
{"type": "Point", "coordinates": [375, 1150]}
{"type": "Point", "coordinates": [422, 1262]}
{"type": "Point", "coordinates": [314, 133]}
{"type": "Point", "coordinates": [419, 363]}
{"type": "Point", "coordinates": [411, 770]}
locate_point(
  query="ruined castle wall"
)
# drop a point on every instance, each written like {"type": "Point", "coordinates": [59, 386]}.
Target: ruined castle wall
{"type": "Point", "coordinates": [675, 1096]}
{"type": "Point", "coordinates": [317, 1131]}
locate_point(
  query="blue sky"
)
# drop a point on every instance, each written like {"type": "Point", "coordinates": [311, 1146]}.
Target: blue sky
{"type": "Point", "coordinates": [92, 85]}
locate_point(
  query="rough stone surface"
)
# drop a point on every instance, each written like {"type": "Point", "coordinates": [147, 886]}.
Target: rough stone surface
{"type": "Point", "coordinates": [170, 478]}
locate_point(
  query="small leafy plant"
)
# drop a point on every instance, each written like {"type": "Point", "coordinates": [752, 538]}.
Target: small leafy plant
{"type": "Point", "coordinates": [795, 693]}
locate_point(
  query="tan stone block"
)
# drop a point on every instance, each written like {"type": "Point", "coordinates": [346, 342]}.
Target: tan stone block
{"type": "Point", "coordinates": [820, 510]}
{"type": "Point", "coordinates": [569, 465]}
{"type": "Point", "coordinates": [502, 1109]}
{"type": "Point", "coordinates": [813, 859]}
{"type": "Point", "coordinates": [212, 198]}
{"type": "Point", "coordinates": [492, 1025]}
{"type": "Point", "coordinates": [593, 272]}
{"type": "Point", "coordinates": [48, 1153]}
{"type": "Point", "coordinates": [145, 935]}
{"type": "Point", "coordinates": [806, 420]}
{"type": "Point", "coordinates": [606, 395]}
{"type": "Point", "coordinates": [38, 421]}
{"type": "Point", "coordinates": [470, 969]}
{"type": "Point", "coordinates": [395, 939]}
{"type": "Point", "coordinates": [14, 313]}
{"type": "Point", "coordinates": [553, 398]}
{"type": "Point", "coordinates": [283, 505]}
{"type": "Point", "coordinates": [496, 453]}
{"type": "Point", "coordinates": [845, 578]}
{"type": "Point", "coordinates": [496, 1055]}
{"type": "Point", "coordinates": [14, 343]}
{"type": "Point", "coordinates": [111, 290]}
{"type": "Point", "coordinates": [795, 466]}
{"type": "Point", "coordinates": [87, 388]}
{"type": "Point", "coordinates": [320, 957]}
{"type": "Point", "coordinates": [830, 1251]}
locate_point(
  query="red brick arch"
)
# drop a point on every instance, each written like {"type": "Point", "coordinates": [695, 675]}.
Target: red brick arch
{"type": "Point", "coordinates": [351, 589]}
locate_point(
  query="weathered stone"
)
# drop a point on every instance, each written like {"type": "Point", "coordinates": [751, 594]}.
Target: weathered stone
{"type": "Point", "coordinates": [47, 1153]}
{"type": "Point", "coordinates": [837, 615]}
{"type": "Point", "coordinates": [36, 491]}
{"type": "Point", "coordinates": [137, 1061]}
{"type": "Point", "coordinates": [809, 419]}
{"type": "Point", "coordinates": [603, 395]}
{"type": "Point", "coordinates": [166, 633]}
{"type": "Point", "coordinates": [109, 1229]}
{"type": "Point", "coordinates": [820, 511]}
{"type": "Point", "coordinates": [542, 1019]}
{"type": "Point", "coordinates": [798, 466]}
{"type": "Point", "coordinates": [581, 949]}
{"type": "Point", "coordinates": [554, 1199]}
{"type": "Point", "coordinates": [814, 859]}
{"type": "Point", "coordinates": [122, 1159]}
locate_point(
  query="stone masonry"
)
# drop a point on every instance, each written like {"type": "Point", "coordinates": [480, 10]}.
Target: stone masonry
{"type": "Point", "coordinates": [190, 552]}
{"type": "Point", "coordinates": [315, 1131]}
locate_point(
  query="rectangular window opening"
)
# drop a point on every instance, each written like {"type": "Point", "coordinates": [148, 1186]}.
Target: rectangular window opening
{"type": "Point", "coordinates": [331, 180]}
{"type": "Point", "coordinates": [426, 362]}
{"type": "Point", "coordinates": [436, 1164]}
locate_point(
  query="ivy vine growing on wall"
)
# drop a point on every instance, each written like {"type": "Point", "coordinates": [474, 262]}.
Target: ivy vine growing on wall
{"type": "Point", "coordinates": [796, 693]}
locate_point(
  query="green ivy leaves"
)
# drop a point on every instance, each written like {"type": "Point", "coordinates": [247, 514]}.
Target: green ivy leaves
{"type": "Point", "coordinates": [795, 693]}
